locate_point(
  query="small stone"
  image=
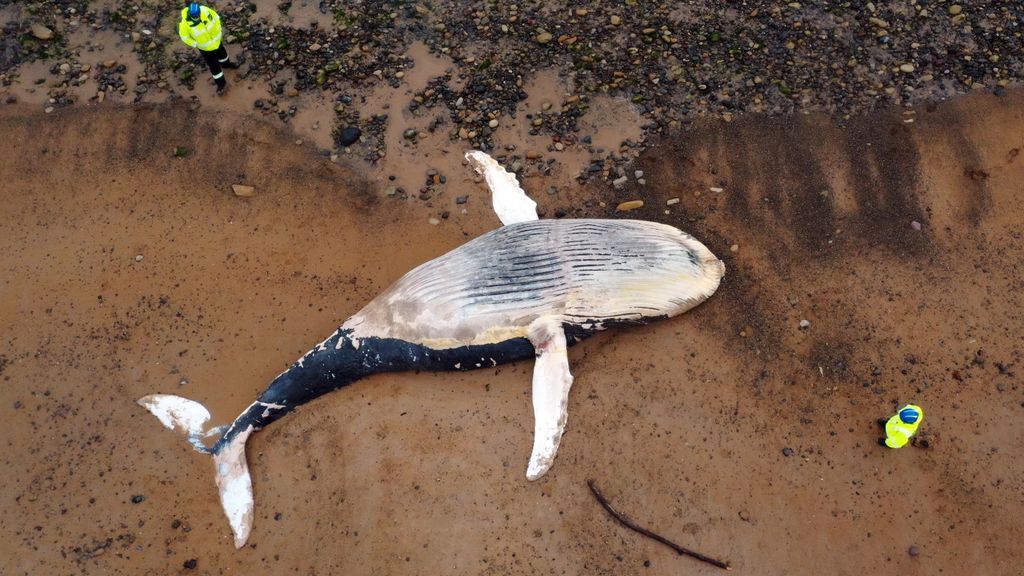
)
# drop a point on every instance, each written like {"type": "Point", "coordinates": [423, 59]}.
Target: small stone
{"type": "Point", "coordinates": [86, 67]}
{"type": "Point", "coordinates": [559, 146]}
{"type": "Point", "coordinates": [65, 68]}
{"type": "Point", "coordinates": [349, 135]}
{"type": "Point", "coordinates": [41, 32]}
{"type": "Point", "coordinates": [434, 221]}
{"type": "Point", "coordinates": [581, 12]}
{"type": "Point", "coordinates": [914, 551]}
{"type": "Point", "coordinates": [787, 451]}
{"type": "Point", "coordinates": [190, 564]}
{"type": "Point", "coordinates": [641, 182]}
{"type": "Point", "coordinates": [672, 201]}
{"type": "Point", "coordinates": [314, 47]}
{"type": "Point", "coordinates": [805, 324]}
{"type": "Point", "coordinates": [543, 37]}
{"type": "Point", "coordinates": [48, 109]}
{"type": "Point", "coordinates": [461, 199]}
{"type": "Point", "coordinates": [243, 190]}
{"type": "Point", "coordinates": [138, 258]}
{"type": "Point", "coordinates": [615, 20]}
{"type": "Point", "coordinates": [906, 68]}
{"type": "Point", "coordinates": [390, 190]}
{"type": "Point", "coordinates": [734, 248]}
{"type": "Point", "coordinates": [109, 63]}
{"type": "Point", "coordinates": [532, 155]}
{"type": "Point", "coordinates": [744, 515]}
{"type": "Point", "coordinates": [629, 205]}
{"type": "Point", "coordinates": [136, 36]}
{"type": "Point", "coordinates": [493, 123]}
{"type": "Point", "coordinates": [638, 173]}
{"type": "Point", "coordinates": [138, 498]}
{"type": "Point", "coordinates": [292, 92]}
{"type": "Point", "coordinates": [955, 9]}
{"type": "Point", "coordinates": [409, 134]}
{"type": "Point", "coordinates": [620, 182]}
{"type": "Point", "coordinates": [714, 189]}
{"type": "Point", "coordinates": [915, 225]}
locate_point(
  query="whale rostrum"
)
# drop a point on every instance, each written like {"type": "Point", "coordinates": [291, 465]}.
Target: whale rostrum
{"type": "Point", "coordinates": [529, 289]}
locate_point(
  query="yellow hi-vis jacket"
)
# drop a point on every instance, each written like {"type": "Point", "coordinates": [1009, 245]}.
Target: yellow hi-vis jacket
{"type": "Point", "coordinates": [898, 432]}
{"type": "Point", "coordinates": [204, 34]}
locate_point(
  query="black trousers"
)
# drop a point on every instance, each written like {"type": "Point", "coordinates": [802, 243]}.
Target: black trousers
{"type": "Point", "coordinates": [214, 59]}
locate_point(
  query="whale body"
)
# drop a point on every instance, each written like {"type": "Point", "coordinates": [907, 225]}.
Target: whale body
{"type": "Point", "coordinates": [528, 289]}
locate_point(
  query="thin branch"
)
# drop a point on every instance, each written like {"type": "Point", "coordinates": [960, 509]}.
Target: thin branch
{"type": "Point", "coordinates": [629, 524]}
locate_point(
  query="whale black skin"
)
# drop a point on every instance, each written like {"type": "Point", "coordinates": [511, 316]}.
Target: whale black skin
{"type": "Point", "coordinates": [332, 366]}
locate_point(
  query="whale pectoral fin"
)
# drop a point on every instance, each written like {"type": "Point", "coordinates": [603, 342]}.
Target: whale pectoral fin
{"type": "Point", "coordinates": [551, 383]}
{"type": "Point", "coordinates": [509, 200]}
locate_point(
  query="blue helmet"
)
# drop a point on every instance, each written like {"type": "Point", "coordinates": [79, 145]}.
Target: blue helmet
{"type": "Point", "coordinates": [193, 11]}
{"type": "Point", "coordinates": [909, 415]}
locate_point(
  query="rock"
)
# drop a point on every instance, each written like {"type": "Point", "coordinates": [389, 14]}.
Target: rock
{"type": "Point", "coordinates": [715, 189]}
{"type": "Point", "coordinates": [914, 551]}
{"type": "Point", "coordinates": [434, 221]}
{"type": "Point", "coordinates": [136, 36]}
{"type": "Point", "coordinates": [641, 182]}
{"type": "Point", "coordinates": [543, 37]}
{"type": "Point", "coordinates": [65, 68]}
{"type": "Point", "coordinates": [409, 134]}
{"type": "Point", "coordinates": [629, 205]}
{"type": "Point", "coordinates": [906, 68]}
{"type": "Point", "coordinates": [744, 515]}
{"type": "Point", "coordinates": [620, 182]}
{"type": "Point", "coordinates": [559, 146]}
{"type": "Point", "coordinates": [916, 225]}
{"type": "Point", "coordinates": [616, 20]}
{"type": "Point", "coordinates": [672, 201]}
{"type": "Point", "coordinates": [955, 9]}
{"type": "Point", "coordinates": [190, 564]}
{"type": "Point", "coordinates": [787, 451]}
{"type": "Point", "coordinates": [399, 74]}
{"type": "Point", "coordinates": [461, 199]}
{"type": "Point", "coordinates": [349, 136]}
{"type": "Point", "coordinates": [533, 155]}
{"type": "Point", "coordinates": [314, 47]}
{"type": "Point", "coordinates": [805, 324]}
{"type": "Point", "coordinates": [243, 190]}
{"type": "Point", "coordinates": [638, 173]}
{"type": "Point", "coordinates": [734, 248]}
{"type": "Point", "coordinates": [41, 32]}
{"type": "Point", "coordinates": [390, 191]}
{"type": "Point", "coordinates": [493, 123]}
{"type": "Point", "coordinates": [138, 498]}
{"type": "Point", "coordinates": [138, 258]}
{"type": "Point", "coordinates": [109, 63]}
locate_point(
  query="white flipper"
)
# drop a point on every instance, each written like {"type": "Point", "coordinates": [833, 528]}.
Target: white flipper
{"type": "Point", "coordinates": [510, 202]}
{"type": "Point", "coordinates": [551, 383]}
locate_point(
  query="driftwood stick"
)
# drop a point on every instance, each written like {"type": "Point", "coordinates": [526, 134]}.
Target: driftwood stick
{"type": "Point", "coordinates": [629, 524]}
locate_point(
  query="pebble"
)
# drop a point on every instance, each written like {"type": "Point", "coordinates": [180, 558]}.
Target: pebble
{"type": "Point", "coordinates": [41, 32]}
{"type": "Point", "coordinates": [744, 515]}
{"type": "Point", "coordinates": [434, 221]}
{"type": "Point", "coordinates": [349, 136]}
{"type": "Point", "coordinates": [138, 258]}
{"type": "Point", "coordinates": [955, 9]}
{"type": "Point", "coordinates": [915, 225]}
{"type": "Point", "coordinates": [399, 74]}
{"type": "Point", "coordinates": [543, 37]}
{"type": "Point", "coordinates": [906, 67]}
{"type": "Point", "coordinates": [493, 123]}
{"type": "Point", "coordinates": [734, 248]}
{"type": "Point", "coordinates": [638, 173]}
{"type": "Point", "coordinates": [787, 451]}
{"type": "Point", "coordinates": [629, 205]}
{"type": "Point", "coordinates": [805, 324]}
{"type": "Point", "coordinates": [914, 551]}
{"type": "Point", "coordinates": [190, 564]}
{"type": "Point", "coordinates": [137, 499]}
{"type": "Point", "coordinates": [559, 146]}
{"type": "Point", "coordinates": [461, 199]}
{"type": "Point", "coordinates": [314, 47]}
{"type": "Point", "coordinates": [713, 189]}
{"type": "Point", "coordinates": [409, 134]}
{"type": "Point", "coordinates": [616, 20]}
{"type": "Point", "coordinates": [292, 92]}
{"type": "Point", "coordinates": [243, 190]}
{"type": "Point", "coordinates": [620, 182]}
{"type": "Point", "coordinates": [672, 201]}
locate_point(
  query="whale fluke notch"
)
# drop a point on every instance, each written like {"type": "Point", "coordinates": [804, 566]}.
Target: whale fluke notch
{"type": "Point", "coordinates": [509, 200]}
{"type": "Point", "coordinates": [551, 382]}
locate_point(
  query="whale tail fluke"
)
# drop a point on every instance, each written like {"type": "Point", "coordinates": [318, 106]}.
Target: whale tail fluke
{"type": "Point", "coordinates": [232, 471]}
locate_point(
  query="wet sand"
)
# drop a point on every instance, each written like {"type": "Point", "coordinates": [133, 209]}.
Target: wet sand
{"type": "Point", "coordinates": [682, 423]}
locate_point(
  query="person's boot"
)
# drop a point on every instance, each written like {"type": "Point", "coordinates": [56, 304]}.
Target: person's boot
{"type": "Point", "coordinates": [222, 86]}
{"type": "Point", "coordinates": [229, 65]}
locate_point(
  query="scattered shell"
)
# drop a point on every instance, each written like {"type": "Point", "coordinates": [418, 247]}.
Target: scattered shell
{"type": "Point", "coordinates": [629, 205]}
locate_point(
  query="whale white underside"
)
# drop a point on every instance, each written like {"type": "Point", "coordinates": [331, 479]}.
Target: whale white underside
{"type": "Point", "coordinates": [528, 279]}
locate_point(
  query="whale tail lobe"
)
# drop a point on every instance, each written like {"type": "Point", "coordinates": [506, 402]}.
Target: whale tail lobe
{"type": "Point", "coordinates": [232, 471]}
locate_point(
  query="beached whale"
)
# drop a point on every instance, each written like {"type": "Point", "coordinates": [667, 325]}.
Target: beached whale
{"type": "Point", "coordinates": [526, 290]}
